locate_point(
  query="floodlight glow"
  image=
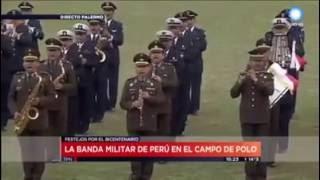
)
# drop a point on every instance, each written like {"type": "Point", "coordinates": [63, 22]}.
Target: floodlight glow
{"type": "Point", "coordinates": [296, 14]}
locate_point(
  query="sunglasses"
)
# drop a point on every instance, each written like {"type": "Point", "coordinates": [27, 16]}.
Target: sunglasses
{"type": "Point", "coordinates": [80, 33]}
{"type": "Point", "coordinates": [165, 39]}
{"type": "Point", "coordinates": [108, 9]}
{"type": "Point", "coordinates": [53, 49]}
{"type": "Point", "coordinates": [26, 10]}
{"type": "Point", "coordinates": [65, 39]}
{"type": "Point", "coordinates": [156, 51]}
{"type": "Point", "coordinates": [94, 24]}
{"type": "Point", "coordinates": [173, 27]}
{"type": "Point", "coordinates": [30, 60]}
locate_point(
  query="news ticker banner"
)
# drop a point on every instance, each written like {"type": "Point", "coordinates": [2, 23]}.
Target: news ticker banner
{"type": "Point", "coordinates": [55, 16]}
{"type": "Point", "coordinates": [202, 148]}
{"type": "Point", "coordinates": [131, 148]}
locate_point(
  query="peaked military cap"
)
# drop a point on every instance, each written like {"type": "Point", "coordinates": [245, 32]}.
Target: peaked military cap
{"type": "Point", "coordinates": [156, 46]}
{"type": "Point", "coordinates": [25, 5]}
{"type": "Point", "coordinates": [190, 14]}
{"type": "Point", "coordinates": [53, 43]}
{"type": "Point", "coordinates": [164, 34]}
{"type": "Point", "coordinates": [14, 12]}
{"type": "Point", "coordinates": [259, 52]}
{"type": "Point", "coordinates": [79, 27]}
{"type": "Point", "coordinates": [108, 5]}
{"type": "Point", "coordinates": [65, 34]}
{"type": "Point", "coordinates": [95, 21]}
{"type": "Point", "coordinates": [31, 55]}
{"type": "Point", "coordinates": [181, 15]}
{"type": "Point", "coordinates": [173, 21]}
{"type": "Point", "coordinates": [141, 59]}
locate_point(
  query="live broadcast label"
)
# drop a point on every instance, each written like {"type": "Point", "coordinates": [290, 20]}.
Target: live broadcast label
{"type": "Point", "coordinates": [160, 149]}
{"type": "Point", "coordinates": [55, 16]}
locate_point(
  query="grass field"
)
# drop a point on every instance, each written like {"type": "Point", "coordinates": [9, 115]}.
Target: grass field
{"type": "Point", "coordinates": [232, 29]}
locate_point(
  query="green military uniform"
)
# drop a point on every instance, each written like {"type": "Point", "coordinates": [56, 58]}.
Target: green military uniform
{"type": "Point", "coordinates": [141, 122]}
{"type": "Point", "coordinates": [273, 134]}
{"type": "Point", "coordinates": [274, 121]}
{"type": "Point", "coordinates": [58, 114]}
{"type": "Point", "coordinates": [21, 86]}
{"type": "Point", "coordinates": [254, 111]}
{"type": "Point", "coordinates": [169, 81]}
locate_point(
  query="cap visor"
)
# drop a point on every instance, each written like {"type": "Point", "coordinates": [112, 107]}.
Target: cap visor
{"type": "Point", "coordinates": [263, 48]}
{"type": "Point", "coordinates": [258, 57]}
{"type": "Point", "coordinates": [280, 26]}
{"type": "Point", "coordinates": [25, 7]}
{"type": "Point", "coordinates": [142, 63]}
{"type": "Point", "coordinates": [53, 47]}
{"type": "Point", "coordinates": [174, 25]}
{"type": "Point", "coordinates": [156, 50]}
{"type": "Point", "coordinates": [30, 58]}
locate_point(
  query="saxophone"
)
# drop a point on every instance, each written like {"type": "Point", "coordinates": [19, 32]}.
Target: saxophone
{"type": "Point", "coordinates": [59, 79]}
{"type": "Point", "coordinates": [28, 112]}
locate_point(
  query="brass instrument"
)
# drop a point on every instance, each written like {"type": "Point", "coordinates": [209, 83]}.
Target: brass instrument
{"type": "Point", "coordinates": [63, 72]}
{"type": "Point", "coordinates": [140, 98]}
{"type": "Point", "coordinates": [59, 78]}
{"type": "Point", "coordinates": [28, 112]}
{"type": "Point", "coordinates": [103, 55]}
{"type": "Point", "coordinates": [99, 46]}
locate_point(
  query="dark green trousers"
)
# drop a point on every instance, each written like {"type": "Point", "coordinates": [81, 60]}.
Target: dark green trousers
{"type": "Point", "coordinates": [252, 132]}
{"type": "Point", "coordinates": [141, 170]}
{"type": "Point", "coordinates": [32, 148]}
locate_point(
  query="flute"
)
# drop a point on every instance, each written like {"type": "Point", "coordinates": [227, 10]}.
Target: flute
{"type": "Point", "coordinates": [246, 73]}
